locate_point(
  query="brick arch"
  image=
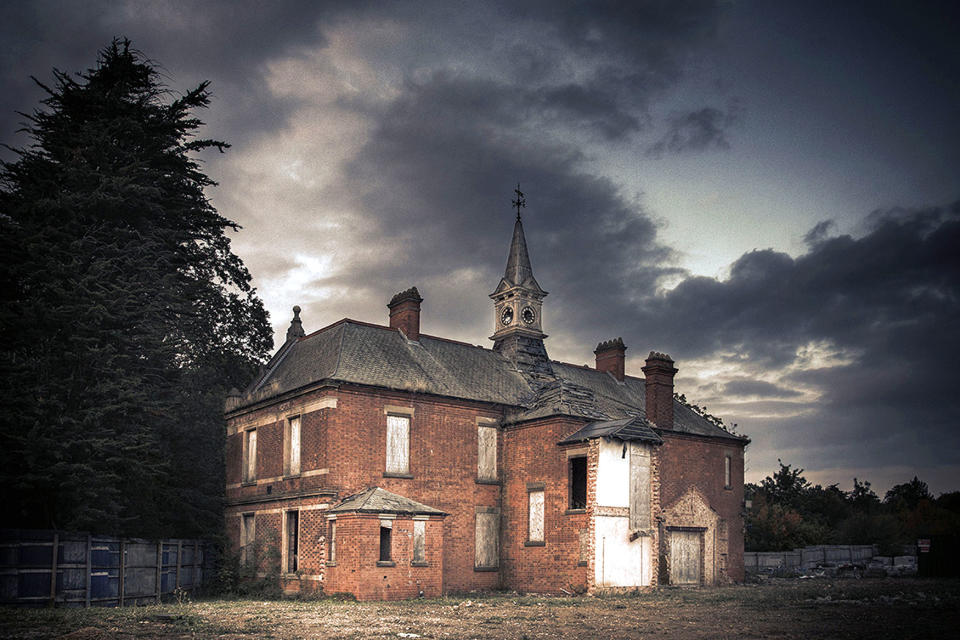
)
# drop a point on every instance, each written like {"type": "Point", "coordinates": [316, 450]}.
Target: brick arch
{"type": "Point", "coordinates": [691, 511]}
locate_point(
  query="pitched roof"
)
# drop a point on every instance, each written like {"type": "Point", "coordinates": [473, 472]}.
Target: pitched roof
{"type": "Point", "coordinates": [365, 354]}
{"type": "Point", "coordinates": [377, 500]}
{"type": "Point", "coordinates": [626, 429]}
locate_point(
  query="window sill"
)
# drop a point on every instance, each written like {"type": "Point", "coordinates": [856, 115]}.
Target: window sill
{"type": "Point", "coordinates": [290, 575]}
{"type": "Point", "coordinates": [386, 563]}
{"type": "Point", "coordinates": [331, 564]}
{"type": "Point", "coordinates": [419, 564]}
{"type": "Point", "coordinates": [534, 543]}
{"type": "Point", "coordinates": [487, 481]}
{"type": "Point", "coordinates": [287, 476]}
{"type": "Point", "coordinates": [729, 488]}
{"type": "Point", "coordinates": [582, 563]}
{"type": "Point", "coordinates": [248, 483]}
{"type": "Point", "coordinates": [570, 512]}
{"type": "Point", "coordinates": [397, 475]}
{"type": "Point", "coordinates": [486, 569]}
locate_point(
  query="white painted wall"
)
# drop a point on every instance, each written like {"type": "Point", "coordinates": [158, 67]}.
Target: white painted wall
{"type": "Point", "coordinates": [620, 562]}
{"type": "Point", "coordinates": [613, 474]}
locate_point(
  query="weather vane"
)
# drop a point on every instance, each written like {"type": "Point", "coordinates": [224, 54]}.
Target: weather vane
{"type": "Point", "coordinates": [519, 202]}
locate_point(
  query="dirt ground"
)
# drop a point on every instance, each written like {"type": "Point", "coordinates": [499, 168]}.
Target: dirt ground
{"type": "Point", "coordinates": [875, 609]}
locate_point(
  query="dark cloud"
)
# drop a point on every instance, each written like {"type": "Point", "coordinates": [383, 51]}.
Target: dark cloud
{"type": "Point", "coordinates": [868, 323]}
{"type": "Point", "coordinates": [700, 130]}
{"type": "Point", "coordinates": [752, 387]}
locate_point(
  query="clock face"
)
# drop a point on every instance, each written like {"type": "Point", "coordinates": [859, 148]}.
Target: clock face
{"type": "Point", "coordinates": [506, 316]}
{"type": "Point", "coordinates": [528, 315]}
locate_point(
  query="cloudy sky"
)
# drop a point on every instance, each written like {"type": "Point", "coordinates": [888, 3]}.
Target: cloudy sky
{"type": "Point", "coordinates": [767, 191]}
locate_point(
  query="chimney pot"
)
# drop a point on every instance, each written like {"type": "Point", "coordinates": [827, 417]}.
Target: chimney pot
{"type": "Point", "coordinates": [405, 313]}
{"type": "Point", "coordinates": [659, 372]}
{"type": "Point", "coordinates": [611, 357]}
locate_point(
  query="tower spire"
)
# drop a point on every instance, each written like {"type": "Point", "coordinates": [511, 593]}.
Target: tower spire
{"type": "Point", "coordinates": [518, 271]}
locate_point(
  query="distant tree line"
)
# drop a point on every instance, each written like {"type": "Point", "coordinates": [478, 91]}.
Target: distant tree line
{"type": "Point", "coordinates": [787, 512]}
{"type": "Point", "coordinates": [125, 316]}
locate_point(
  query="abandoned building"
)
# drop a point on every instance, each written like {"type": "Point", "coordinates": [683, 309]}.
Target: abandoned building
{"type": "Point", "coordinates": [386, 463]}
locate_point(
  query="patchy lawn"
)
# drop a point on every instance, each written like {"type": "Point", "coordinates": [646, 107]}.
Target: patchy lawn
{"type": "Point", "coordinates": [874, 609]}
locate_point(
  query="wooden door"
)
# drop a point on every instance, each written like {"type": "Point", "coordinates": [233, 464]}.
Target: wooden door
{"type": "Point", "coordinates": [684, 557]}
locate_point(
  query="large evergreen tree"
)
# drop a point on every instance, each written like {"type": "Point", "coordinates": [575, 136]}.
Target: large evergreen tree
{"type": "Point", "coordinates": [125, 315]}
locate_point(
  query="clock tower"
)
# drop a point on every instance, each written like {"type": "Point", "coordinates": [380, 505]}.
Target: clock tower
{"type": "Point", "coordinates": [517, 304]}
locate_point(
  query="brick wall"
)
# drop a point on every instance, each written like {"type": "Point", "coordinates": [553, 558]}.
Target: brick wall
{"type": "Point", "coordinates": [532, 457]}
{"type": "Point", "coordinates": [688, 461]}
{"type": "Point", "coordinates": [357, 570]}
{"type": "Point", "coordinates": [443, 466]}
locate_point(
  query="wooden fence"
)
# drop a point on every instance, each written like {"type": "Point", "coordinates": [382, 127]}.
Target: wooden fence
{"type": "Point", "coordinates": [58, 568]}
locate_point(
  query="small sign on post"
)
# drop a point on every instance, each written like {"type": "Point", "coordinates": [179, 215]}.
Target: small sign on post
{"type": "Point", "coordinates": [923, 545]}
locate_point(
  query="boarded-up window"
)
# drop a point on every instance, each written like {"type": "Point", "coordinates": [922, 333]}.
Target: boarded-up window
{"type": "Point", "coordinates": [291, 450]}
{"type": "Point", "coordinates": [292, 540]}
{"type": "Point", "coordinates": [250, 455]}
{"type": "Point", "coordinates": [726, 472]}
{"type": "Point", "coordinates": [487, 453]}
{"type": "Point", "coordinates": [331, 541]}
{"type": "Point", "coordinates": [419, 541]}
{"type": "Point", "coordinates": [487, 538]}
{"type": "Point", "coordinates": [639, 487]}
{"type": "Point", "coordinates": [578, 483]}
{"type": "Point", "coordinates": [247, 538]}
{"type": "Point", "coordinates": [398, 444]}
{"type": "Point", "coordinates": [535, 516]}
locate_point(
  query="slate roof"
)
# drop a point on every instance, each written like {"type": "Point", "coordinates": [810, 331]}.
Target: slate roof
{"type": "Point", "coordinates": [625, 429]}
{"type": "Point", "coordinates": [365, 354]}
{"type": "Point", "coordinates": [377, 500]}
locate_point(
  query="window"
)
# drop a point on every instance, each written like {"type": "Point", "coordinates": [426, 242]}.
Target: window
{"type": "Point", "coordinates": [535, 516]}
{"type": "Point", "coordinates": [419, 542]}
{"type": "Point", "coordinates": [250, 455]}
{"type": "Point", "coordinates": [386, 533]}
{"type": "Point", "coordinates": [331, 541]}
{"type": "Point", "coordinates": [487, 538]}
{"type": "Point", "coordinates": [578, 483]}
{"type": "Point", "coordinates": [486, 453]}
{"type": "Point", "coordinates": [726, 472]}
{"type": "Point", "coordinates": [398, 444]}
{"type": "Point", "coordinates": [291, 447]}
{"type": "Point", "coordinates": [247, 537]}
{"type": "Point", "coordinates": [292, 541]}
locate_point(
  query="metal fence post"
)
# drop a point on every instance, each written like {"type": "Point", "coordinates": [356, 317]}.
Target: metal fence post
{"type": "Point", "coordinates": [53, 569]}
{"type": "Point", "coordinates": [86, 593]}
{"type": "Point", "coordinates": [123, 570]}
{"type": "Point", "coordinates": [159, 569]}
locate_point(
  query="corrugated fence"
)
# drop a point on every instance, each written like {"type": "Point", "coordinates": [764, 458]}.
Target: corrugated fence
{"type": "Point", "coordinates": [58, 568]}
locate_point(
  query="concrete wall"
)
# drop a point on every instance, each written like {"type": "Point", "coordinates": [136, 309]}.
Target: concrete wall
{"type": "Point", "coordinates": [808, 557]}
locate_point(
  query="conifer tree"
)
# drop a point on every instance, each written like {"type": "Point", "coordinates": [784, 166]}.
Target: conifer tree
{"type": "Point", "coordinates": [125, 315]}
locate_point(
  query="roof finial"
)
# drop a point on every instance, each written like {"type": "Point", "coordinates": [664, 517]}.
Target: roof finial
{"type": "Point", "coordinates": [296, 327]}
{"type": "Point", "coordinates": [519, 202]}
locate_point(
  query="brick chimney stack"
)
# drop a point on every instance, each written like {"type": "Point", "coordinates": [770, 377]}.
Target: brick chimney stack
{"type": "Point", "coordinates": [611, 356]}
{"type": "Point", "coordinates": [659, 372]}
{"type": "Point", "coordinates": [405, 313]}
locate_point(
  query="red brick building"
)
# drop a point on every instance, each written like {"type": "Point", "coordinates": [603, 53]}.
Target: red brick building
{"type": "Point", "coordinates": [382, 462]}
